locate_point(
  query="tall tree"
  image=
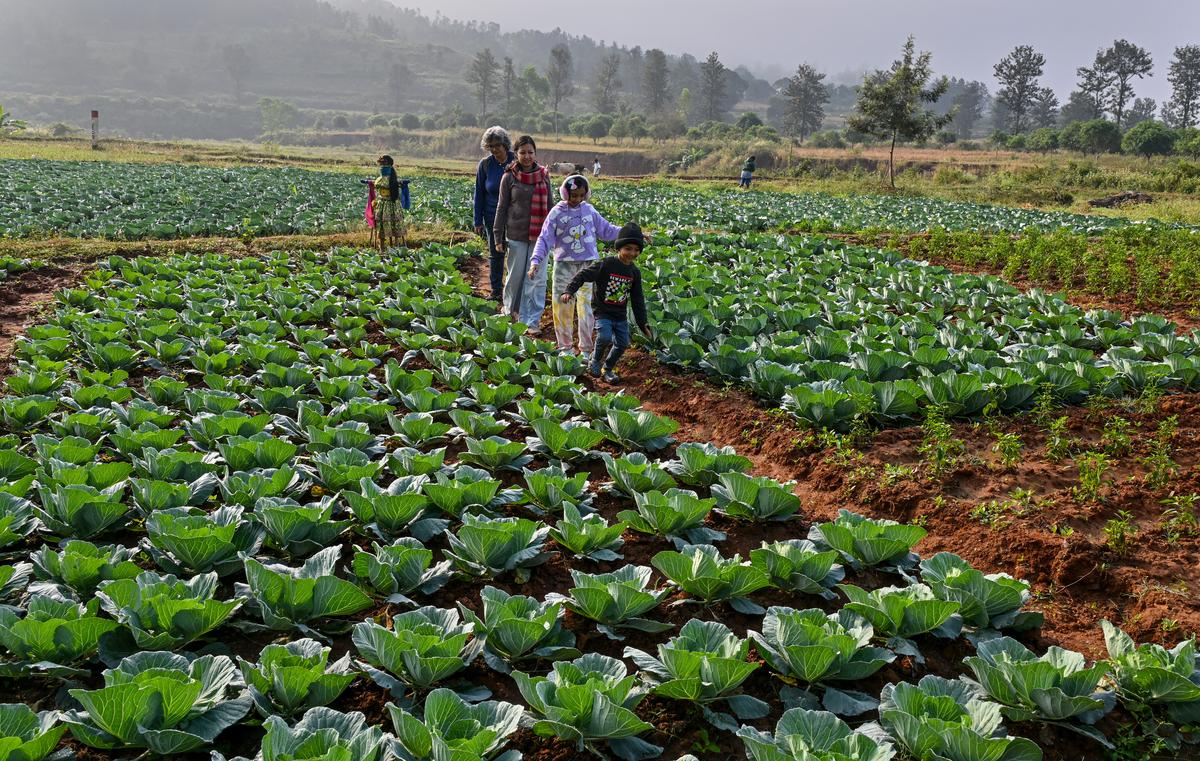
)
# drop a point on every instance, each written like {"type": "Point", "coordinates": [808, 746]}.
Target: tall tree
{"type": "Point", "coordinates": [604, 90]}
{"type": "Point", "coordinates": [712, 88]}
{"type": "Point", "coordinates": [482, 76]}
{"type": "Point", "coordinates": [1123, 62]}
{"type": "Point", "coordinates": [806, 96]}
{"type": "Point", "coordinates": [238, 66]}
{"type": "Point", "coordinates": [397, 78]}
{"type": "Point", "coordinates": [1142, 110]}
{"type": "Point", "coordinates": [891, 103]}
{"type": "Point", "coordinates": [968, 107]}
{"type": "Point", "coordinates": [1018, 74]}
{"type": "Point", "coordinates": [1183, 109]}
{"type": "Point", "coordinates": [1044, 112]}
{"type": "Point", "coordinates": [532, 91]}
{"type": "Point", "coordinates": [508, 84]}
{"type": "Point", "coordinates": [1094, 85]}
{"type": "Point", "coordinates": [655, 81]}
{"type": "Point", "coordinates": [1080, 107]}
{"type": "Point", "coordinates": [560, 73]}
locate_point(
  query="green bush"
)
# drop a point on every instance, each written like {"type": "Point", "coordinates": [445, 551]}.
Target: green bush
{"type": "Point", "coordinates": [1149, 138]}
{"type": "Point", "coordinates": [1042, 140]}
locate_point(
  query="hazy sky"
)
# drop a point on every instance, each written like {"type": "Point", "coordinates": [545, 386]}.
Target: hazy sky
{"type": "Point", "coordinates": [966, 37]}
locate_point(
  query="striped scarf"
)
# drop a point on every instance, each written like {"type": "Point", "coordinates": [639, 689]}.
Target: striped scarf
{"type": "Point", "coordinates": [539, 203]}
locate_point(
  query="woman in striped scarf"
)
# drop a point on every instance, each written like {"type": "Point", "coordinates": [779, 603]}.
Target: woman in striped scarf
{"type": "Point", "coordinates": [523, 206]}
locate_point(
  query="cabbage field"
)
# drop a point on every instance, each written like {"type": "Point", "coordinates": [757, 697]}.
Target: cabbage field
{"type": "Point", "coordinates": [328, 505]}
{"type": "Point", "coordinates": [126, 201]}
{"type": "Point", "coordinates": [834, 332]}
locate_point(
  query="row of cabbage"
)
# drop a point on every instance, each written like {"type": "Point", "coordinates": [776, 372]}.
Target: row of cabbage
{"type": "Point", "coordinates": [134, 201]}
{"type": "Point", "coordinates": [262, 389]}
{"type": "Point", "coordinates": [832, 331]}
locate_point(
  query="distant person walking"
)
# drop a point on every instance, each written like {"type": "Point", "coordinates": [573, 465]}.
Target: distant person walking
{"type": "Point", "coordinates": [487, 196]}
{"type": "Point", "coordinates": [389, 216]}
{"type": "Point", "coordinates": [596, 167]}
{"type": "Point", "coordinates": [522, 208]}
{"type": "Point", "coordinates": [571, 234]}
{"type": "Point", "coordinates": [747, 173]}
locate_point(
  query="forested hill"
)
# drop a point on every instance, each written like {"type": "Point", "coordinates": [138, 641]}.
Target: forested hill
{"type": "Point", "coordinates": [199, 68]}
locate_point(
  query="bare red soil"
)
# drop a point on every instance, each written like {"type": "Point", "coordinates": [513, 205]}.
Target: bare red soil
{"type": "Point", "coordinates": [23, 295]}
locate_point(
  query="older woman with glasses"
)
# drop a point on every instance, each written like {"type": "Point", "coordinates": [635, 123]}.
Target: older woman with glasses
{"type": "Point", "coordinates": [487, 196]}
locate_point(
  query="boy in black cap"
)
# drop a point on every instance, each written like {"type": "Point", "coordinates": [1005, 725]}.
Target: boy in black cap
{"type": "Point", "coordinates": [618, 284]}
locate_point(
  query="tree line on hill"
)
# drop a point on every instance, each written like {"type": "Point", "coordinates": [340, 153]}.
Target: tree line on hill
{"type": "Point", "coordinates": [346, 66]}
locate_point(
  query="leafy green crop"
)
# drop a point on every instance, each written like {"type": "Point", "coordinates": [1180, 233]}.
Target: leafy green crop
{"type": "Point", "coordinates": [287, 598]}
{"type": "Point", "coordinates": [515, 627]}
{"type": "Point", "coordinates": [615, 600]}
{"type": "Point", "coordinates": [816, 649]}
{"type": "Point", "coordinates": [164, 612]}
{"type": "Point", "coordinates": [588, 536]}
{"type": "Point", "coordinates": [865, 542]}
{"type": "Point", "coordinates": [455, 729]}
{"type": "Point", "coordinates": [677, 515]}
{"type": "Point", "coordinates": [798, 565]}
{"type": "Point", "coordinates": [588, 701]}
{"type": "Point", "coordinates": [940, 718]}
{"type": "Point", "coordinates": [755, 498]}
{"type": "Point", "coordinates": [1056, 687]}
{"type": "Point", "coordinates": [28, 736]}
{"type": "Point", "coordinates": [322, 734]}
{"type": "Point", "coordinates": [291, 678]}
{"type": "Point", "coordinates": [489, 547]}
{"type": "Point", "coordinates": [700, 571]}
{"type": "Point", "coordinates": [298, 530]}
{"type": "Point", "coordinates": [803, 734]}
{"type": "Point", "coordinates": [702, 465]}
{"type": "Point", "coordinates": [162, 701]}
{"type": "Point", "coordinates": [635, 474]}
{"type": "Point", "coordinates": [183, 540]}
{"type": "Point", "coordinates": [400, 569]}
{"type": "Point", "coordinates": [990, 602]}
{"type": "Point", "coordinates": [900, 613]}
{"type": "Point", "coordinates": [424, 647]}
{"type": "Point", "coordinates": [75, 571]}
{"type": "Point", "coordinates": [704, 664]}
{"type": "Point", "coordinates": [54, 636]}
{"type": "Point", "coordinates": [1149, 674]}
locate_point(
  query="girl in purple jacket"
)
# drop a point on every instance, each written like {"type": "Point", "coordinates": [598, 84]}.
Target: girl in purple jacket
{"type": "Point", "coordinates": [571, 232]}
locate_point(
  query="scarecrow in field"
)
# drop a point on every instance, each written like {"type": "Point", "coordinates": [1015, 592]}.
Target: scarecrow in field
{"type": "Point", "coordinates": [388, 210]}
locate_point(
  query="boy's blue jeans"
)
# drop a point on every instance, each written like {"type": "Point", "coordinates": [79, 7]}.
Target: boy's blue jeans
{"type": "Point", "coordinates": [612, 338]}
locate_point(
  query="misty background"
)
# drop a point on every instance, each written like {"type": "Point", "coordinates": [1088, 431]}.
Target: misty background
{"type": "Point", "coordinates": [202, 69]}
